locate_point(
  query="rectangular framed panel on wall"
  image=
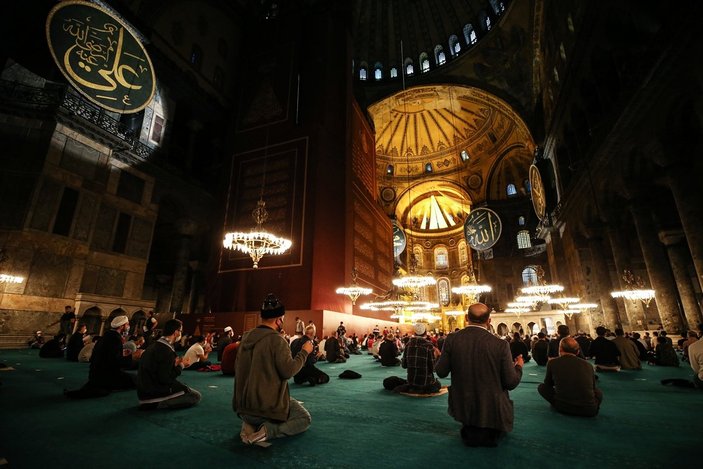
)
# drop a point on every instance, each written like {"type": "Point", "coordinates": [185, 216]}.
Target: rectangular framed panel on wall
{"type": "Point", "coordinates": [282, 171]}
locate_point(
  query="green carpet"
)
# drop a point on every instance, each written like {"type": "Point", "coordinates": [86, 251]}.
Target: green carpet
{"type": "Point", "coordinates": [354, 423]}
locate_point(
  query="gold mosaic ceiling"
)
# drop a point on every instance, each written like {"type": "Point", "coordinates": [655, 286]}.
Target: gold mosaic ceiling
{"type": "Point", "coordinates": [433, 125]}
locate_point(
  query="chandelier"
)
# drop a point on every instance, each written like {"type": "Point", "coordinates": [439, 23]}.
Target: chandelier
{"type": "Point", "coordinates": [257, 242]}
{"type": "Point", "coordinates": [543, 290]}
{"type": "Point", "coordinates": [565, 301]}
{"type": "Point", "coordinates": [570, 312]}
{"type": "Point", "coordinates": [518, 310]}
{"type": "Point", "coordinates": [353, 291]}
{"type": "Point", "coordinates": [414, 282]}
{"type": "Point", "coordinates": [5, 278]}
{"type": "Point", "coordinates": [634, 289]}
{"type": "Point", "coordinates": [472, 290]}
{"type": "Point", "coordinates": [454, 313]}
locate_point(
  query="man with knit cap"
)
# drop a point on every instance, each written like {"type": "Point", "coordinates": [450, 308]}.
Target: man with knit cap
{"type": "Point", "coordinates": [419, 357]}
{"type": "Point", "coordinates": [109, 358]}
{"type": "Point", "coordinates": [264, 366]}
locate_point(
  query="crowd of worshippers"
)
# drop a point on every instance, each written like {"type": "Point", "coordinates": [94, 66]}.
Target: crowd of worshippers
{"type": "Point", "coordinates": [482, 366]}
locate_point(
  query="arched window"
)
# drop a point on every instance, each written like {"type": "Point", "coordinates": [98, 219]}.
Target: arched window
{"type": "Point", "coordinates": [485, 20]}
{"type": "Point", "coordinates": [555, 73]}
{"type": "Point", "coordinates": [523, 239]}
{"type": "Point", "coordinates": [465, 156]}
{"type": "Point", "coordinates": [417, 253]}
{"type": "Point", "coordinates": [454, 45]}
{"type": "Point", "coordinates": [424, 63]}
{"type": "Point", "coordinates": [562, 51]}
{"type": "Point", "coordinates": [389, 170]}
{"type": "Point", "coordinates": [441, 258]}
{"type": "Point", "coordinates": [394, 72]}
{"type": "Point", "coordinates": [196, 57]}
{"type": "Point", "coordinates": [527, 186]}
{"type": "Point", "coordinates": [529, 276]}
{"type": "Point", "coordinates": [428, 167]}
{"type": "Point", "coordinates": [511, 190]}
{"type": "Point", "coordinates": [409, 68]}
{"type": "Point", "coordinates": [463, 253]}
{"type": "Point", "coordinates": [362, 74]}
{"type": "Point", "coordinates": [378, 71]}
{"type": "Point", "coordinates": [443, 291]}
{"type": "Point", "coordinates": [470, 35]}
{"type": "Point", "coordinates": [521, 221]}
{"type": "Point", "coordinates": [498, 7]}
{"type": "Point", "coordinates": [439, 57]}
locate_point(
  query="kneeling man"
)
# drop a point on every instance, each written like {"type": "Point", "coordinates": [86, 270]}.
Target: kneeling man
{"type": "Point", "coordinates": [570, 383]}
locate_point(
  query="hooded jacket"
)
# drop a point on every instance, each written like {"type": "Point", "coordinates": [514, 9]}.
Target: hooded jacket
{"type": "Point", "coordinates": [264, 366]}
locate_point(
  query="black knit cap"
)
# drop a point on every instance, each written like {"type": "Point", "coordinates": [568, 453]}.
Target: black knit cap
{"type": "Point", "coordinates": [272, 308]}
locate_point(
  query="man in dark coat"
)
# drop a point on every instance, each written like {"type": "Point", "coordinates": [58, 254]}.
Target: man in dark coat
{"type": "Point", "coordinates": [109, 358]}
{"type": "Point", "coordinates": [482, 372]}
{"type": "Point", "coordinates": [159, 366]}
{"type": "Point", "coordinates": [309, 373]}
{"type": "Point", "coordinates": [570, 384]}
{"type": "Point", "coordinates": [606, 354]}
{"type": "Point", "coordinates": [75, 343]}
{"type": "Point", "coordinates": [540, 349]}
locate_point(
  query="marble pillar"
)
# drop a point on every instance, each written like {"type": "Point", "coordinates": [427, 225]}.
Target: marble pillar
{"type": "Point", "coordinates": [677, 251]}
{"type": "Point", "coordinates": [687, 196]}
{"type": "Point", "coordinates": [634, 311]}
{"type": "Point", "coordinates": [186, 229]}
{"type": "Point", "coordinates": [657, 268]}
{"type": "Point", "coordinates": [602, 275]}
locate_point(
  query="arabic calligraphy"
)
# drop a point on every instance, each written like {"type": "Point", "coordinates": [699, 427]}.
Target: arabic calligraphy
{"type": "Point", "coordinates": [539, 202]}
{"type": "Point", "coordinates": [482, 229]}
{"type": "Point", "coordinates": [99, 55]}
{"type": "Point", "coordinates": [399, 241]}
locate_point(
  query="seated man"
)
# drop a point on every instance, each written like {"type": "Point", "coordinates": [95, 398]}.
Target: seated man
{"type": "Point", "coordinates": [695, 357]}
{"type": "Point", "coordinates": [419, 357]}
{"type": "Point", "coordinates": [229, 358]}
{"type": "Point", "coordinates": [53, 348]}
{"type": "Point", "coordinates": [224, 341]}
{"type": "Point", "coordinates": [629, 354]}
{"type": "Point", "coordinates": [540, 349]}
{"type": "Point", "coordinates": [309, 373]}
{"type": "Point", "coordinates": [264, 366]}
{"type": "Point", "coordinates": [37, 341]}
{"type": "Point", "coordinates": [109, 358]}
{"type": "Point", "coordinates": [157, 386]}
{"type": "Point", "coordinates": [518, 347]}
{"type": "Point", "coordinates": [87, 350]}
{"type": "Point", "coordinates": [605, 352]}
{"type": "Point", "coordinates": [334, 351]}
{"type": "Point", "coordinates": [664, 354]}
{"type": "Point", "coordinates": [388, 351]}
{"type": "Point", "coordinates": [197, 354]}
{"type": "Point", "coordinates": [570, 384]}
{"type": "Point", "coordinates": [75, 343]}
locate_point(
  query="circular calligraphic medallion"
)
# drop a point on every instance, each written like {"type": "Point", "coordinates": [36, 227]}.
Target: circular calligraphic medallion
{"type": "Point", "coordinates": [388, 194]}
{"type": "Point", "coordinates": [539, 201]}
{"type": "Point", "coordinates": [482, 228]}
{"type": "Point", "coordinates": [100, 56]}
{"type": "Point", "coordinates": [399, 241]}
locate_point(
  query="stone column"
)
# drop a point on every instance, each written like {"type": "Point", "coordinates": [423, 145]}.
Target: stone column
{"type": "Point", "coordinates": [658, 268]}
{"type": "Point", "coordinates": [678, 257]}
{"type": "Point", "coordinates": [602, 276]}
{"type": "Point", "coordinates": [687, 195]}
{"type": "Point", "coordinates": [186, 229]}
{"type": "Point", "coordinates": [634, 311]}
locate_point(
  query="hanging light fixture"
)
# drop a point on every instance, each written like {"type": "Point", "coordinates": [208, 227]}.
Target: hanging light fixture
{"type": "Point", "coordinates": [353, 291]}
{"type": "Point", "coordinates": [414, 282]}
{"type": "Point", "coordinates": [472, 290]}
{"type": "Point", "coordinates": [541, 287]}
{"type": "Point", "coordinates": [634, 289]}
{"type": "Point", "coordinates": [6, 278]}
{"type": "Point", "coordinates": [454, 313]}
{"type": "Point", "coordinates": [564, 301]}
{"type": "Point", "coordinates": [258, 242]}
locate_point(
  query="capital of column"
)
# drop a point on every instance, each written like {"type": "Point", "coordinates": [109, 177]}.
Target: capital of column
{"type": "Point", "coordinates": [671, 237]}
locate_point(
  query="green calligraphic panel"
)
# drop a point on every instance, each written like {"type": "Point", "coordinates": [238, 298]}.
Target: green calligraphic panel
{"type": "Point", "coordinates": [399, 240]}
{"type": "Point", "coordinates": [100, 56]}
{"type": "Point", "coordinates": [482, 228]}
